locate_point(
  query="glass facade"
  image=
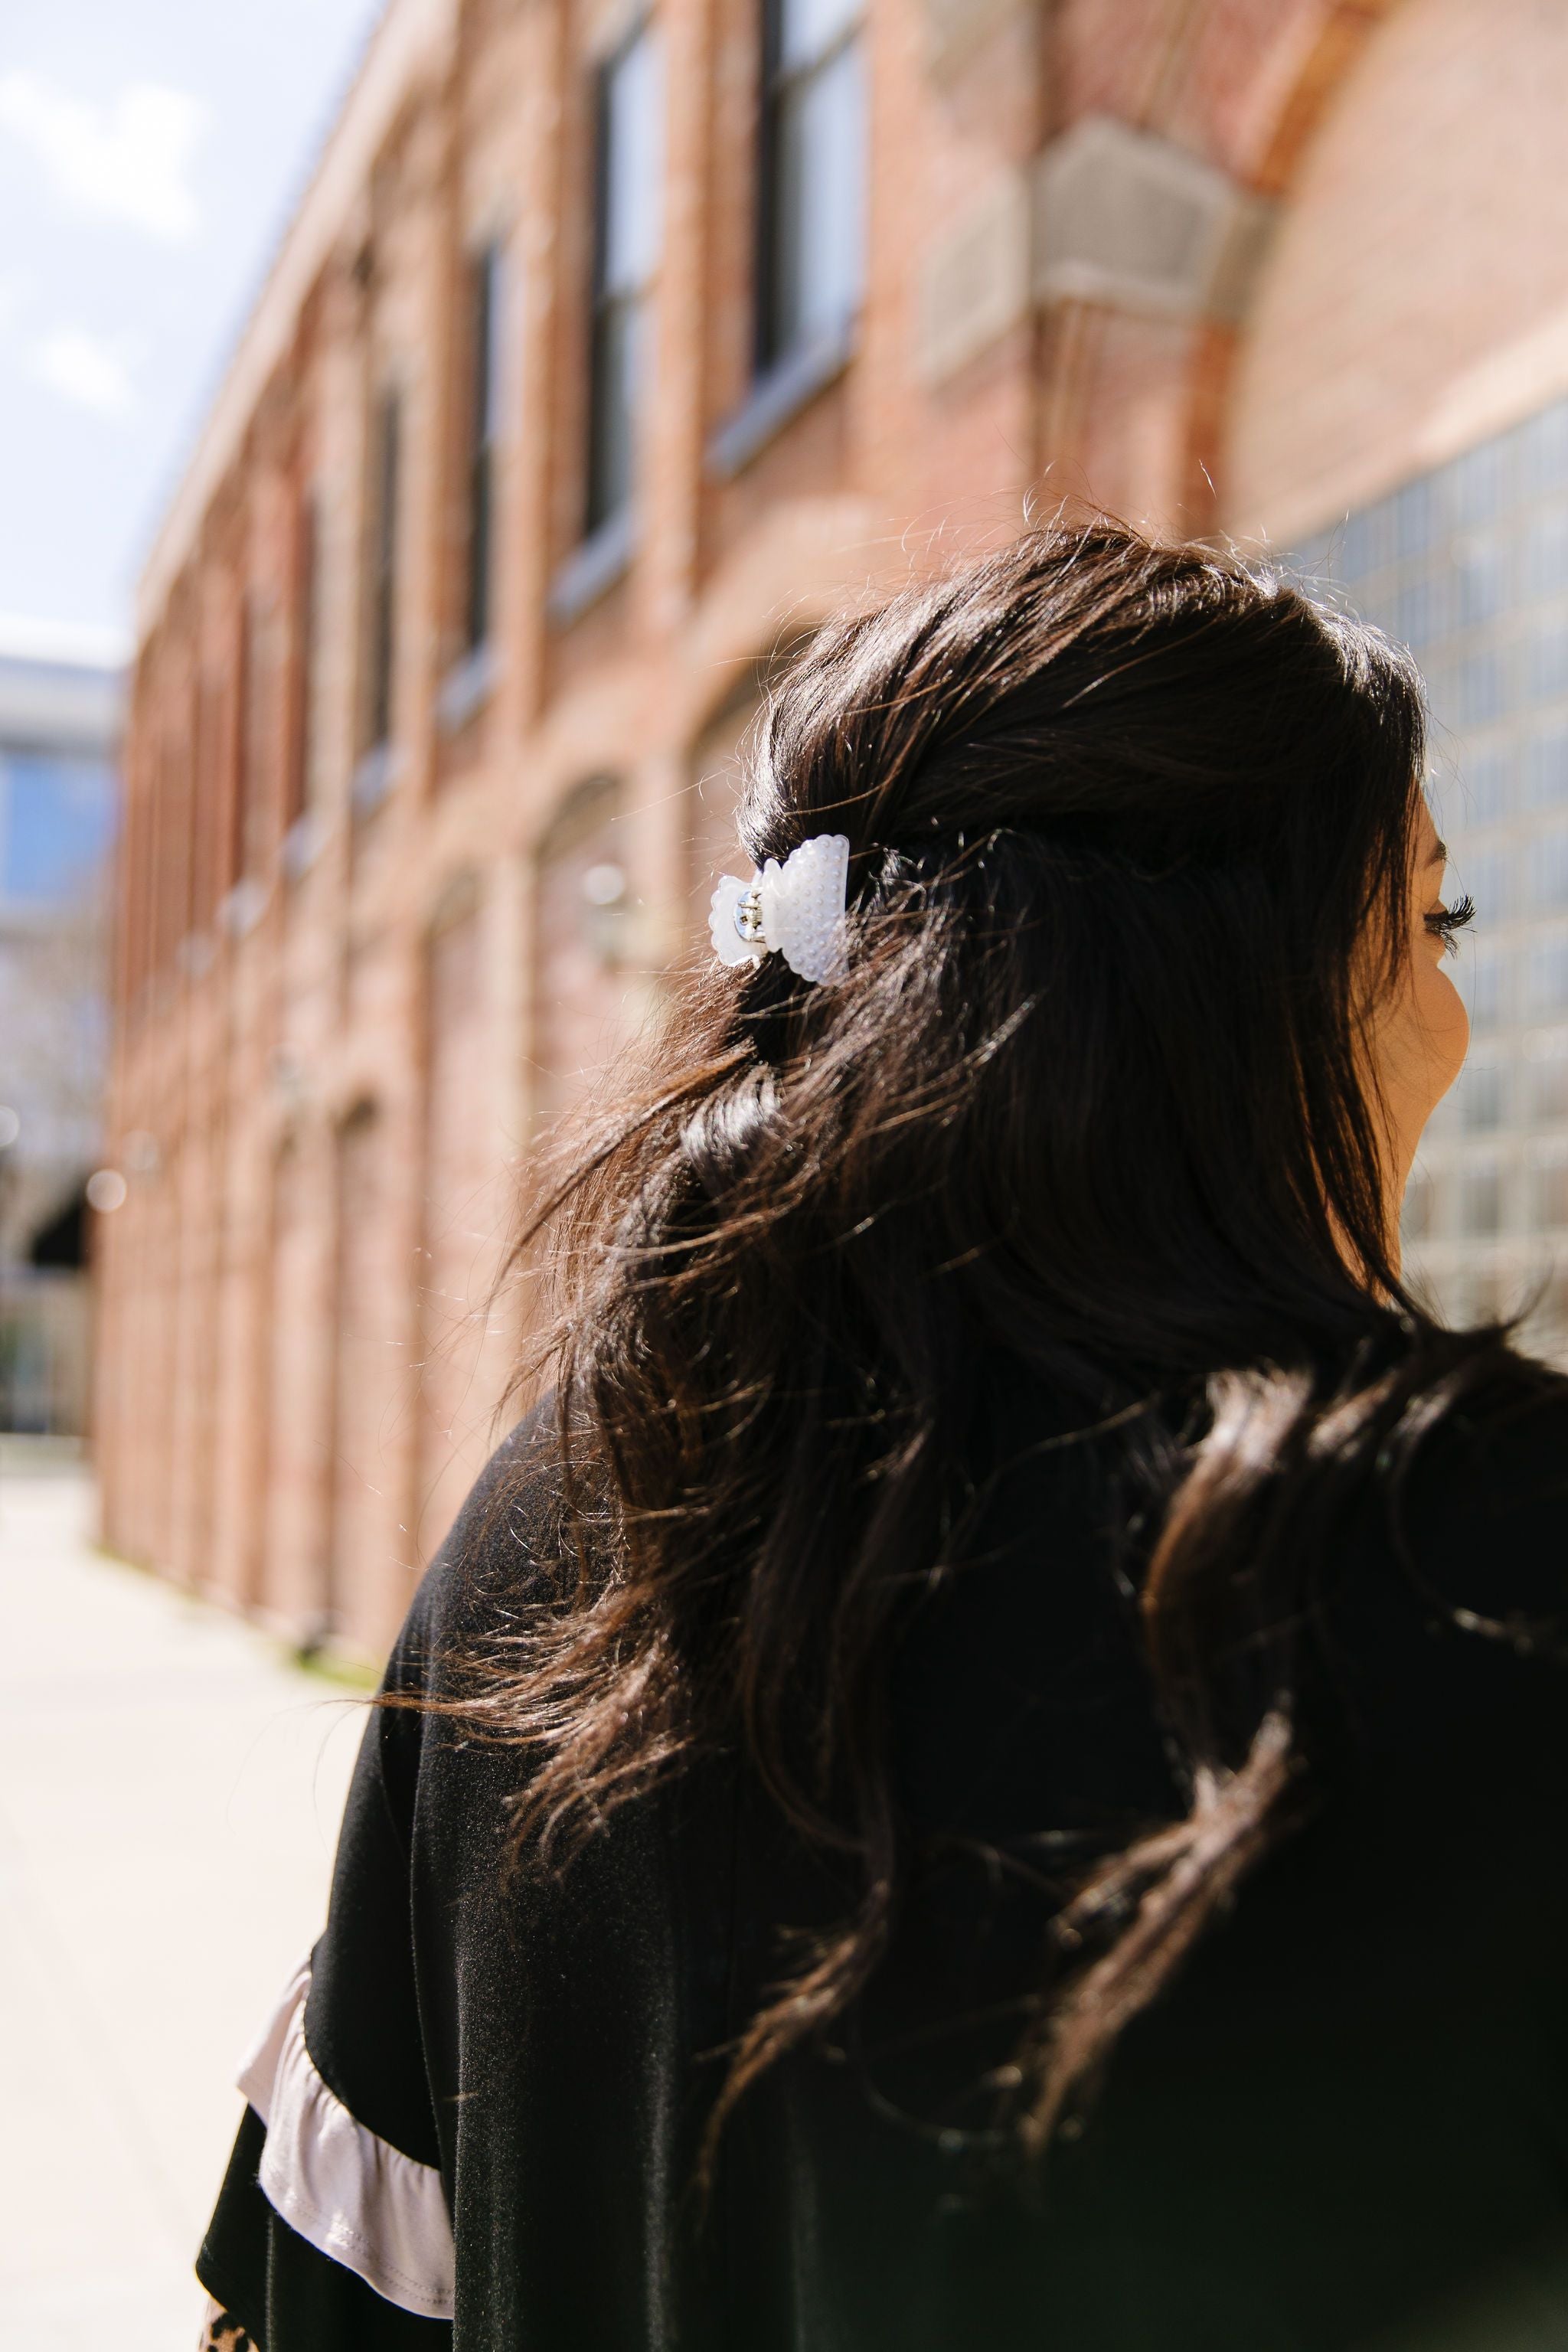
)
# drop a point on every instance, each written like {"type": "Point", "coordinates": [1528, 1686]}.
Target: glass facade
{"type": "Point", "coordinates": [56, 822]}
{"type": "Point", "coordinates": [58, 805]}
{"type": "Point", "coordinates": [814, 168]}
{"type": "Point", "coordinates": [1467, 565]}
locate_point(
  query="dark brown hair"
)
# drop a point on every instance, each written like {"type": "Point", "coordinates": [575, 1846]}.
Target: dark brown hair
{"type": "Point", "coordinates": [1130, 830]}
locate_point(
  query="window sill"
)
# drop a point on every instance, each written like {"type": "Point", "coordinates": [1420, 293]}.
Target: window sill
{"type": "Point", "coordinates": [242, 909]}
{"type": "Point", "coordinates": [790, 385]}
{"type": "Point", "coordinates": [301, 846]}
{"type": "Point", "coordinates": [592, 568]}
{"type": "Point", "coordinates": [466, 688]}
{"type": "Point", "coordinates": [373, 778]}
{"type": "Point", "coordinates": [196, 954]}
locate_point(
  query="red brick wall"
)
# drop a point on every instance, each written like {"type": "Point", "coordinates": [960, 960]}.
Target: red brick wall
{"type": "Point", "coordinates": [327, 1072]}
{"type": "Point", "coordinates": [1417, 298]}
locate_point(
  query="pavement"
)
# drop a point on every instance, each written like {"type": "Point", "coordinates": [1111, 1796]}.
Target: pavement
{"type": "Point", "coordinates": [170, 1789]}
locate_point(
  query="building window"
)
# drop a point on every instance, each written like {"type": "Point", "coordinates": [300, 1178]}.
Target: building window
{"type": "Point", "coordinates": [1548, 864]}
{"type": "Point", "coordinates": [1490, 782]}
{"type": "Point", "coordinates": [303, 714]}
{"type": "Point", "coordinates": [252, 809]}
{"type": "Point", "coordinates": [1550, 1190]}
{"type": "Point", "coordinates": [1480, 1200]}
{"type": "Point", "coordinates": [244, 747]}
{"type": "Point", "coordinates": [581, 1003]}
{"type": "Point", "coordinates": [1549, 1080]}
{"type": "Point", "coordinates": [381, 598]}
{"type": "Point", "coordinates": [213, 826]}
{"type": "Point", "coordinates": [1489, 992]}
{"type": "Point", "coordinates": [812, 166]}
{"type": "Point", "coordinates": [1546, 769]}
{"type": "Point", "coordinates": [365, 1377]}
{"type": "Point", "coordinates": [625, 251]}
{"type": "Point", "coordinates": [1417, 1214]}
{"type": "Point", "coordinates": [1549, 975]}
{"type": "Point", "coordinates": [171, 805]}
{"type": "Point", "coordinates": [1482, 1093]}
{"type": "Point", "coordinates": [1489, 881]}
{"type": "Point", "coordinates": [484, 421]}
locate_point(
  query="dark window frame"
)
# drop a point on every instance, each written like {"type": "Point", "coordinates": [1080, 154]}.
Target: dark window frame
{"type": "Point", "coordinates": [382, 565]}
{"type": "Point", "coordinates": [483, 421]}
{"type": "Point", "coordinates": [307, 616]}
{"type": "Point", "coordinates": [781, 89]}
{"type": "Point", "coordinates": [241, 781]}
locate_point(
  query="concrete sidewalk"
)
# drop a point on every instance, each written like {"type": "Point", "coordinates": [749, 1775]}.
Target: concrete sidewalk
{"type": "Point", "coordinates": [169, 1790]}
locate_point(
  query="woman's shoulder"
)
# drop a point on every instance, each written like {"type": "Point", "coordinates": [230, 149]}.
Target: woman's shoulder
{"type": "Point", "coordinates": [1479, 1508]}
{"type": "Point", "coordinates": [502, 1554]}
{"type": "Point", "coordinates": [1444, 1615]}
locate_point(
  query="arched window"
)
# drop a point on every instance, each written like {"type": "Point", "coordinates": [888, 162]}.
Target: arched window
{"type": "Point", "coordinates": [718, 764]}
{"type": "Point", "coordinates": [467, 1211]}
{"type": "Point", "coordinates": [296, 1574]}
{"type": "Point", "coordinates": [580, 995]}
{"type": "Point", "coordinates": [368, 1585]}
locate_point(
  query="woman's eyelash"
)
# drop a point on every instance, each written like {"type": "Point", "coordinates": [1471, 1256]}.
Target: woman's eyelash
{"type": "Point", "coordinates": [1445, 923]}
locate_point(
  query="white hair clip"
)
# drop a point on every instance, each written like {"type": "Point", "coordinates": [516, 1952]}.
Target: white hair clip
{"type": "Point", "coordinates": [796, 910]}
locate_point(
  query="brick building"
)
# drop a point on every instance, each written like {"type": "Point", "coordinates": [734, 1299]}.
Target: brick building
{"type": "Point", "coordinates": [60, 721]}
{"type": "Point", "coordinates": [611, 347]}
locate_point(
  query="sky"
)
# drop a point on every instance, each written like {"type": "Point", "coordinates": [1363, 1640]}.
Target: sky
{"type": "Point", "coordinates": [150, 154]}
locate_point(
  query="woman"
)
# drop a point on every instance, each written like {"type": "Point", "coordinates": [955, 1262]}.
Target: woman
{"type": "Point", "coordinates": [990, 1772]}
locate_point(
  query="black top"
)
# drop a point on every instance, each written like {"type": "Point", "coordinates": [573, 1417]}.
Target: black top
{"type": "Point", "coordinates": [1345, 2127]}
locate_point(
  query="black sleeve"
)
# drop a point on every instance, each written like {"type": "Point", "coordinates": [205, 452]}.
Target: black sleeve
{"type": "Point", "coordinates": [286, 2295]}
{"type": "Point", "coordinates": [354, 2050]}
{"type": "Point", "coordinates": [1484, 1524]}
{"type": "Point", "coordinates": [311, 2245]}
{"type": "Point", "coordinates": [1475, 1531]}
{"type": "Point", "coordinates": [1446, 1629]}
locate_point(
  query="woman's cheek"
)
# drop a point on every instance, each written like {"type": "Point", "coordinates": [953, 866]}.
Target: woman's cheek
{"type": "Point", "coordinates": [1446, 1026]}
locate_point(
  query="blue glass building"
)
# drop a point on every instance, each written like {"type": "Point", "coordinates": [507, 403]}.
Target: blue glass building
{"type": "Point", "coordinates": [60, 712]}
{"type": "Point", "coordinates": [1467, 564]}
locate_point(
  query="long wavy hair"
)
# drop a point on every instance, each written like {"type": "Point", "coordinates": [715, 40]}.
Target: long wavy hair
{"type": "Point", "coordinates": [1132, 831]}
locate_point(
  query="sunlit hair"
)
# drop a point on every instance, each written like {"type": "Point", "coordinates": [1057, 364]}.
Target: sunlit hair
{"type": "Point", "coordinates": [1132, 827]}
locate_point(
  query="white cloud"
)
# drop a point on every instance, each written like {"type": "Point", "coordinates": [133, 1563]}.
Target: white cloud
{"type": "Point", "coordinates": [86, 369]}
{"type": "Point", "coordinates": [129, 160]}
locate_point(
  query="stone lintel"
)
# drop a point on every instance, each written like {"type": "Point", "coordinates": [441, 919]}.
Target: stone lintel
{"type": "Point", "coordinates": [1130, 220]}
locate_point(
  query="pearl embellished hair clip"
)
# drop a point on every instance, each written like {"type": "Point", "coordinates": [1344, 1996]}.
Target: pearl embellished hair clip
{"type": "Point", "coordinates": [796, 910]}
